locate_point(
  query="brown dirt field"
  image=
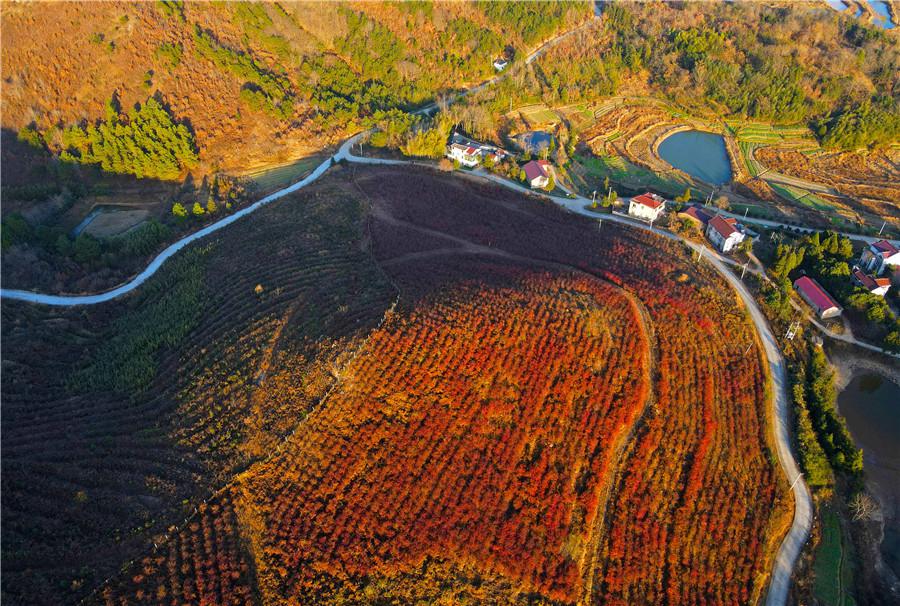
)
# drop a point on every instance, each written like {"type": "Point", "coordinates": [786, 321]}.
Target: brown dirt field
{"type": "Point", "coordinates": [113, 223]}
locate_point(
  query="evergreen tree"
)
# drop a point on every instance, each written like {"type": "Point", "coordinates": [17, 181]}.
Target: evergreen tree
{"type": "Point", "coordinates": [148, 143]}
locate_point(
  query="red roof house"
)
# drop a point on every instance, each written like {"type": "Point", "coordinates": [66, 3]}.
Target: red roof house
{"type": "Point", "coordinates": [817, 297]}
{"type": "Point", "coordinates": [723, 225]}
{"type": "Point", "coordinates": [885, 248]}
{"type": "Point", "coordinates": [723, 232]}
{"type": "Point", "coordinates": [876, 286]}
{"type": "Point", "coordinates": [537, 173]}
{"type": "Point", "coordinates": [646, 206]}
{"type": "Point", "coordinates": [698, 214]}
{"type": "Point", "coordinates": [880, 255]}
{"type": "Point", "coordinates": [651, 201]}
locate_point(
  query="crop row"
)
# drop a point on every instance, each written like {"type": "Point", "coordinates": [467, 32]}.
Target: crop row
{"type": "Point", "coordinates": [89, 479]}
{"type": "Point", "coordinates": [703, 454]}
{"type": "Point", "coordinates": [475, 427]}
{"type": "Point", "coordinates": [205, 564]}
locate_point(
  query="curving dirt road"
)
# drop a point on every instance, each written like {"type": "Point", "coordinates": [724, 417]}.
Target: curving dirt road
{"type": "Point", "coordinates": [796, 538]}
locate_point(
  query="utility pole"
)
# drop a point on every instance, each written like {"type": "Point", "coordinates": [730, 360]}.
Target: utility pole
{"type": "Point", "coordinates": [792, 330]}
{"type": "Point", "coordinates": [746, 210]}
{"type": "Point", "coordinates": [594, 199]}
{"type": "Point", "coordinates": [882, 227]}
{"type": "Point", "coordinates": [795, 481]}
{"type": "Point", "coordinates": [743, 271]}
{"type": "Point", "coordinates": [699, 254]}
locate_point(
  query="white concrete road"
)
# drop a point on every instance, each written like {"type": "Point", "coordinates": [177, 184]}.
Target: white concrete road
{"type": "Point", "coordinates": [779, 224]}
{"type": "Point", "coordinates": [796, 538]}
{"type": "Point", "coordinates": [343, 152]}
{"type": "Point", "coordinates": [800, 528]}
{"type": "Point", "coordinates": [73, 300]}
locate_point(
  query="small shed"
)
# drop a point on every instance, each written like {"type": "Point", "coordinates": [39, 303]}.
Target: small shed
{"type": "Point", "coordinates": [817, 297]}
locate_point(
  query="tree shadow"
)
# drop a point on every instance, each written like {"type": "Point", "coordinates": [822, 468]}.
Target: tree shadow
{"type": "Point", "coordinates": [48, 204]}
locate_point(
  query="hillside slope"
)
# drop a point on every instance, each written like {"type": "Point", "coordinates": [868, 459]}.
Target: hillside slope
{"type": "Point", "coordinates": [278, 389]}
{"type": "Point", "coordinates": [338, 63]}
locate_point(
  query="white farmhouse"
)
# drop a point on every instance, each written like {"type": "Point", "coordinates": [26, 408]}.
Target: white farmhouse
{"type": "Point", "coordinates": [876, 286]}
{"type": "Point", "coordinates": [879, 255]}
{"type": "Point", "coordinates": [538, 173]}
{"type": "Point", "coordinates": [467, 155]}
{"type": "Point", "coordinates": [722, 232]}
{"type": "Point", "coordinates": [647, 206]}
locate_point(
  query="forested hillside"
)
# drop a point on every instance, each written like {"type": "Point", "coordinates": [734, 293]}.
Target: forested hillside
{"type": "Point", "coordinates": [170, 111]}
{"type": "Point", "coordinates": [257, 83]}
{"type": "Point", "coordinates": [774, 62]}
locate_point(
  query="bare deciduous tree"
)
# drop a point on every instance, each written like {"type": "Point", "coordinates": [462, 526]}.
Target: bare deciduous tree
{"type": "Point", "coordinates": [863, 507]}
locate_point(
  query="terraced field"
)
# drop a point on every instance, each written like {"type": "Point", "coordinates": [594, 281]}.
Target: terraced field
{"type": "Point", "coordinates": [492, 437]}
{"type": "Point", "coordinates": [538, 116]}
{"type": "Point", "coordinates": [869, 181]}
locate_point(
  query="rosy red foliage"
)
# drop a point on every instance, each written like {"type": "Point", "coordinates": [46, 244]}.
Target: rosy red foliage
{"type": "Point", "coordinates": [478, 424]}
{"type": "Point", "coordinates": [471, 428]}
{"type": "Point", "coordinates": [204, 563]}
{"type": "Point", "coordinates": [687, 522]}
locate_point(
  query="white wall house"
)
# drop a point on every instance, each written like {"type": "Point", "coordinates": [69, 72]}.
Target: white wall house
{"type": "Point", "coordinates": [538, 173]}
{"type": "Point", "coordinates": [722, 232]}
{"type": "Point", "coordinates": [647, 206]}
{"type": "Point", "coordinates": [500, 64]}
{"type": "Point", "coordinates": [876, 286]}
{"type": "Point", "coordinates": [466, 155]}
{"type": "Point", "coordinates": [879, 255]}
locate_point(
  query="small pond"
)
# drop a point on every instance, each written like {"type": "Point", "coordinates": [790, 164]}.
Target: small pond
{"type": "Point", "coordinates": [700, 154]}
{"type": "Point", "coordinates": [871, 405]}
{"type": "Point", "coordinates": [884, 16]}
{"type": "Point", "coordinates": [535, 141]}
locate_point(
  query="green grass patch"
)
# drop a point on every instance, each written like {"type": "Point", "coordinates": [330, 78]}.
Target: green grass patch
{"type": "Point", "coordinates": [620, 170]}
{"type": "Point", "coordinates": [272, 179]}
{"type": "Point", "coordinates": [755, 132]}
{"type": "Point", "coordinates": [801, 196]}
{"type": "Point", "coordinates": [538, 114]}
{"type": "Point", "coordinates": [612, 136]}
{"type": "Point", "coordinates": [833, 572]}
{"type": "Point", "coordinates": [753, 167]}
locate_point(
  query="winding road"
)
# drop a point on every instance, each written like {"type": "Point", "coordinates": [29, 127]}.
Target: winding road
{"type": "Point", "coordinates": [802, 521]}
{"type": "Point", "coordinates": [780, 225]}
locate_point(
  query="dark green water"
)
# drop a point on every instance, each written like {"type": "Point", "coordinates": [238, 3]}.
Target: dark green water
{"type": "Point", "coordinates": [871, 405]}
{"type": "Point", "coordinates": [699, 154]}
